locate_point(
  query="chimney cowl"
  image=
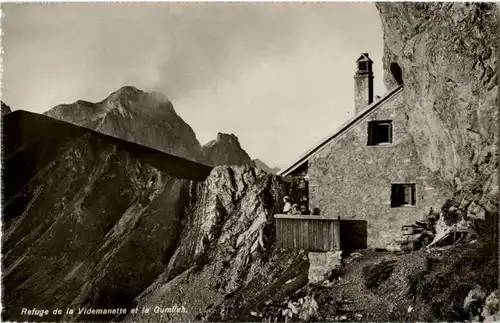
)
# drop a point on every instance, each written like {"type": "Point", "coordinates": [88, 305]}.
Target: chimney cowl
{"type": "Point", "coordinates": [363, 83]}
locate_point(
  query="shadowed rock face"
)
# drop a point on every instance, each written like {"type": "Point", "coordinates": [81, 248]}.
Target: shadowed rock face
{"type": "Point", "coordinates": [133, 115]}
{"type": "Point", "coordinates": [226, 150]}
{"type": "Point", "coordinates": [89, 220]}
{"type": "Point", "coordinates": [94, 221]}
{"type": "Point", "coordinates": [446, 55]}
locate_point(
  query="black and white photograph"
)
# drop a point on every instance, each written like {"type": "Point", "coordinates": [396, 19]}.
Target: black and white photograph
{"type": "Point", "coordinates": [249, 161]}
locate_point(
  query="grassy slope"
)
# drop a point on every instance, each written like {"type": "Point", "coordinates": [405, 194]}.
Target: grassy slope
{"type": "Point", "coordinates": [434, 284]}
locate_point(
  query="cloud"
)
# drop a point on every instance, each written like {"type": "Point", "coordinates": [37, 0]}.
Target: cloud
{"type": "Point", "coordinates": [211, 42]}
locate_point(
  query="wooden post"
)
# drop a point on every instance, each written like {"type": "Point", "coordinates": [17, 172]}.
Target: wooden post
{"type": "Point", "coordinates": [336, 233]}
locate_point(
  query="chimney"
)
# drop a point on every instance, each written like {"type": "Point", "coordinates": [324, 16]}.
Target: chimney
{"type": "Point", "coordinates": [363, 83]}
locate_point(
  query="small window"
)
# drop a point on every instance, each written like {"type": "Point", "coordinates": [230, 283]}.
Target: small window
{"type": "Point", "coordinates": [402, 195]}
{"type": "Point", "coordinates": [379, 132]}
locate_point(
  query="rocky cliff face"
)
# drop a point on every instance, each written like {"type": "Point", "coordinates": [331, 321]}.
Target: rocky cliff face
{"type": "Point", "coordinates": [226, 263]}
{"type": "Point", "coordinates": [226, 150]}
{"type": "Point", "coordinates": [5, 109]}
{"type": "Point", "coordinates": [445, 55]}
{"type": "Point", "coordinates": [133, 115]}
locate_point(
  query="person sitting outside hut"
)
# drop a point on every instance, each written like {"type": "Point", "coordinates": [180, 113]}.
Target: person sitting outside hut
{"type": "Point", "coordinates": [304, 210]}
{"type": "Point", "coordinates": [295, 209]}
{"type": "Point", "coordinates": [288, 206]}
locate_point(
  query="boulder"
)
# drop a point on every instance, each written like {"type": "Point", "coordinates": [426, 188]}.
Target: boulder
{"type": "Point", "coordinates": [490, 312]}
{"type": "Point", "coordinates": [476, 212]}
{"type": "Point", "coordinates": [322, 264]}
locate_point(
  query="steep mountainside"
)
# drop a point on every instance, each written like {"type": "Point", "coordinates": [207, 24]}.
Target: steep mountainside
{"type": "Point", "coordinates": [260, 164]}
{"type": "Point", "coordinates": [445, 55]}
{"type": "Point", "coordinates": [89, 220]}
{"type": "Point", "coordinates": [92, 221]}
{"type": "Point", "coordinates": [133, 115]}
{"type": "Point", "coordinates": [226, 150]}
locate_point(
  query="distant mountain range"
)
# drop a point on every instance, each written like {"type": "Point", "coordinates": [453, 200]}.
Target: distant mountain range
{"type": "Point", "coordinates": [150, 119]}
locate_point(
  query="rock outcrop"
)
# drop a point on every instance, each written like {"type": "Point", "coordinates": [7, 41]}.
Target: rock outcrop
{"type": "Point", "coordinates": [226, 150]}
{"type": "Point", "coordinates": [5, 109]}
{"type": "Point", "coordinates": [225, 263]}
{"type": "Point", "coordinates": [260, 164]}
{"type": "Point", "coordinates": [133, 115]}
{"type": "Point", "coordinates": [445, 55]}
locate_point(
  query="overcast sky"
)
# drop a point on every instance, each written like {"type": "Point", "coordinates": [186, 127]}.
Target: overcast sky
{"type": "Point", "coordinates": [279, 76]}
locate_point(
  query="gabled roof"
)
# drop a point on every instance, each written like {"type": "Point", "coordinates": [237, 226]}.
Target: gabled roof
{"type": "Point", "coordinates": [346, 126]}
{"type": "Point", "coordinates": [364, 57]}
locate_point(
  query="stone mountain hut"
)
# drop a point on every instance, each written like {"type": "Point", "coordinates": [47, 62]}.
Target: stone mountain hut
{"type": "Point", "coordinates": [368, 170]}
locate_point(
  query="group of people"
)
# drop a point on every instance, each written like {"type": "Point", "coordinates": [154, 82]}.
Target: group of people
{"type": "Point", "coordinates": [295, 209]}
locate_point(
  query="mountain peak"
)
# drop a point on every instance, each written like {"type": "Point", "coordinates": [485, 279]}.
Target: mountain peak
{"type": "Point", "coordinates": [226, 150]}
{"type": "Point", "coordinates": [125, 94]}
{"type": "Point", "coordinates": [127, 90]}
{"type": "Point", "coordinates": [227, 137]}
{"type": "Point", "coordinates": [147, 118]}
{"type": "Point", "coordinates": [132, 98]}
